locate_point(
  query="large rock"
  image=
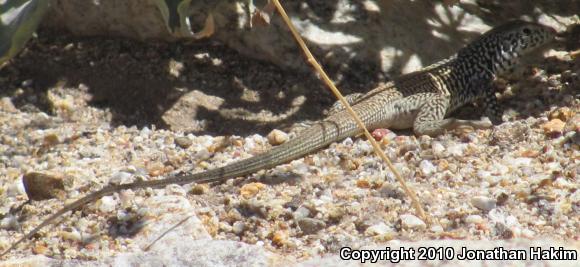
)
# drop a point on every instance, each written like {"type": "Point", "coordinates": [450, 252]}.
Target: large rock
{"type": "Point", "coordinates": [393, 36]}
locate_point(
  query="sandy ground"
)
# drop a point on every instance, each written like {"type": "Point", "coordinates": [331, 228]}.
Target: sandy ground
{"type": "Point", "coordinates": [92, 110]}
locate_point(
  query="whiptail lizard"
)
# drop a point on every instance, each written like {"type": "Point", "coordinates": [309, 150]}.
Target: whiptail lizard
{"type": "Point", "coordinates": [419, 100]}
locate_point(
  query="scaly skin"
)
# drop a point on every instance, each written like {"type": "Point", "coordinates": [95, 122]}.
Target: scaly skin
{"type": "Point", "coordinates": [419, 100]}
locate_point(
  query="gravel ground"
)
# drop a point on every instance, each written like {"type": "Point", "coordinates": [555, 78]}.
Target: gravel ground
{"type": "Point", "coordinates": [90, 112]}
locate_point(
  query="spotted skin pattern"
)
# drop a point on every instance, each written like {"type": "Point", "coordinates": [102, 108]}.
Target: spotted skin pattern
{"type": "Point", "coordinates": [430, 94]}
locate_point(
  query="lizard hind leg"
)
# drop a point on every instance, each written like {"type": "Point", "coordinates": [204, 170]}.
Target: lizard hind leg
{"type": "Point", "coordinates": [351, 99]}
{"type": "Point", "coordinates": [430, 119]}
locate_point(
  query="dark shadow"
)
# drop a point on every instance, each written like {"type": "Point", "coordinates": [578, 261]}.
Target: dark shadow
{"type": "Point", "coordinates": [131, 78]}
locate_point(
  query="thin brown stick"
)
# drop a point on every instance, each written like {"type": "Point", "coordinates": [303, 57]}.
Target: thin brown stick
{"type": "Point", "coordinates": [310, 58]}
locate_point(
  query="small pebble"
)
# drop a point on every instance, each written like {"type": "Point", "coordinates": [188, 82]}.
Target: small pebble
{"type": "Point", "coordinates": [301, 212]}
{"type": "Point", "coordinates": [474, 218]}
{"type": "Point", "coordinates": [120, 178]}
{"type": "Point", "coordinates": [250, 190]}
{"type": "Point", "coordinates": [277, 137]}
{"type": "Point", "coordinates": [9, 223]}
{"type": "Point", "coordinates": [183, 142]}
{"type": "Point", "coordinates": [553, 128]}
{"type": "Point", "coordinates": [335, 214]}
{"type": "Point", "coordinates": [40, 186]}
{"type": "Point", "coordinates": [425, 141]}
{"type": "Point", "coordinates": [238, 228]}
{"type": "Point", "coordinates": [349, 163]}
{"type": "Point", "coordinates": [427, 168]}
{"type": "Point", "coordinates": [563, 114]}
{"type": "Point", "coordinates": [363, 183]}
{"type": "Point", "coordinates": [72, 235]}
{"type": "Point", "coordinates": [310, 226]}
{"type": "Point", "coordinates": [412, 222]}
{"type": "Point", "coordinates": [378, 229]}
{"type": "Point", "coordinates": [279, 238]}
{"type": "Point", "coordinates": [438, 149]}
{"type": "Point", "coordinates": [50, 140]}
{"type": "Point", "coordinates": [199, 189]}
{"type": "Point", "coordinates": [379, 134]}
{"type": "Point", "coordinates": [27, 83]}
{"type": "Point", "coordinates": [456, 150]}
{"type": "Point", "coordinates": [483, 203]}
{"type": "Point", "coordinates": [437, 229]}
{"type": "Point", "coordinates": [106, 204]}
{"type": "Point", "coordinates": [225, 227]}
{"type": "Point", "coordinates": [175, 68]}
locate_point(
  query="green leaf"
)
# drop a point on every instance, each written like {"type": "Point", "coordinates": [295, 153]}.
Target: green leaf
{"type": "Point", "coordinates": [18, 21]}
{"type": "Point", "coordinates": [175, 13]}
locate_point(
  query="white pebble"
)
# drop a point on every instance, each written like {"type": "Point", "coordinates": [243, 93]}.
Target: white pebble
{"type": "Point", "coordinates": [251, 142]}
{"type": "Point", "coordinates": [474, 218]}
{"type": "Point", "coordinates": [224, 226]}
{"type": "Point", "coordinates": [347, 141]}
{"type": "Point", "coordinates": [438, 149]}
{"type": "Point", "coordinates": [483, 203]}
{"type": "Point", "coordinates": [456, 150]}
{"type": "Point", "coordinates": [427, 168]}
{"type": "Point", "coordinates": [364, 147]}
{"type": "Point", "coordinates": [437, 229]}
{"type": "Point", "coordinates": [15, 189]}
{"type": "Point", "coordinates": [123, 215]}
{"type": "Point", "coordinates": [378, 229]}
{"type": "Point", "coordinates": [239, 227]}
{"type": "Point", "coordinates": [410, 221]}
{"type": "Point", "coordinates": [120, 178]}
{"type": "Point", "coordinates": [145, 132]}
{"type": "Point", "coordinates": [301, 212]}
{"type": "Point", "coordinates": [106, 204]}
{"type": "Point", "coordinates": [9, 222]}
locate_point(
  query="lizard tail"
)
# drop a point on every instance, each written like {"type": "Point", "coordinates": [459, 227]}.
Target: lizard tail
{"type": "Point", "coordinates": [311, 139]}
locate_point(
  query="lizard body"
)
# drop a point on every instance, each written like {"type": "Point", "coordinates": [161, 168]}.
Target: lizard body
{"type": "Point", "coordinates": [418, 100]}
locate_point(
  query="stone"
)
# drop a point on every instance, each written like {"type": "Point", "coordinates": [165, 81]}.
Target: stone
{"type": "Point", "coordinates": [183, 142]}
{"type": "Point", "coordinates": [484, 203]}
{"type": "Point", "coordinates": [378, 229]}
{"type": "Point", "coordinates": [277, 137]}
{"type": "Point", "coordinates": [310, 226]}
{"type": "Point", "coordinates": [553, 127]}
{"type": "Point", "coordinates": [41, 186]}
{"type": "Point", "coordinates": [412, 222]}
